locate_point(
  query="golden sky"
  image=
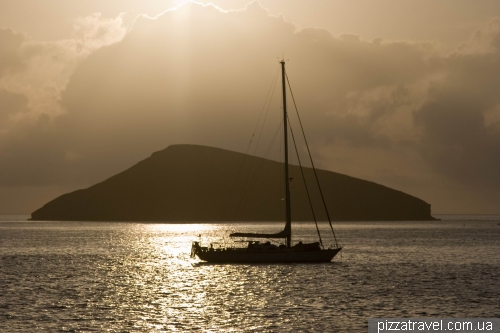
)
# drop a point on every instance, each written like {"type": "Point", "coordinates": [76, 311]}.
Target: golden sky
{"type": "Point", "coordinates": [403, 93]}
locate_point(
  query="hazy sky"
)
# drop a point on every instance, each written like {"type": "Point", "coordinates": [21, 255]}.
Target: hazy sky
{"type": "Point", "coordinates": [403, 93]}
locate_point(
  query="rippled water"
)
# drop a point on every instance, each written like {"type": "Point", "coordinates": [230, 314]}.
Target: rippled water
{"type": "Point", "coordinates": [126, 277]}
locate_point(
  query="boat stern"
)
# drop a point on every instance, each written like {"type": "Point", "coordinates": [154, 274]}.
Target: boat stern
{"type": "Point", "coordinates": [195, 249]}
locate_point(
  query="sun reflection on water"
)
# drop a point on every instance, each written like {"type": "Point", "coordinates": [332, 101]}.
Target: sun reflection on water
{"type": "Point", "coordinates": [140, 278]}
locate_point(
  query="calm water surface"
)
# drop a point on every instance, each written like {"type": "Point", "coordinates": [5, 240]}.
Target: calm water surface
{"type": "Point", "coordinates": [138, 277]}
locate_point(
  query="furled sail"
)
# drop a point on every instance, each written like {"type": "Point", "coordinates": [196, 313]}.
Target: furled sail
{"type": "Point", "coordinates": [280, 234]}
{"type": "Point", "coordinates": [285, 233]}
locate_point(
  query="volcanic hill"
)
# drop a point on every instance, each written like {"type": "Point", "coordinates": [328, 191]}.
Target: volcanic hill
{"type": "Point", "coordinates": [196, 183]}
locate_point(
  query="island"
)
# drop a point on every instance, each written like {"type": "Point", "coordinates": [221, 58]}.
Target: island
{"type": "Point", "coordinates": [192, 183]}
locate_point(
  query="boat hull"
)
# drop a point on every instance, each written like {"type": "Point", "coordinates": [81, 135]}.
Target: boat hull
{"type": "Point", "coordinates": [280, 256]}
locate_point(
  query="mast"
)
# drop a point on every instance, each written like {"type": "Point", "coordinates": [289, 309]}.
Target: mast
{"type": "Point", "coordinates": [288, 212]}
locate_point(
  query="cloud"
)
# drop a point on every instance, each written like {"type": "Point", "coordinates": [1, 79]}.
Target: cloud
{"type": "Point", "coordinates": [11, 55]}
{"type": "Point", "coordinates": [460, 120]}
{"type": "Point", "coordinates": [34, 75]}
{"type": "Point", "coordinates": [40, 70]}
{"type": "Point", "coordinates": [194, 70]}
{"type": "Point", "coordinates": [95, 31]}
{"type": "Point", "coordinates": [10, 104]}
{"type": "Point", "coordinates": [397, 112]}
{"type": "Point", "coordinates": [484, 40]}
{"type": "Point", "coordinates": [31, 155]}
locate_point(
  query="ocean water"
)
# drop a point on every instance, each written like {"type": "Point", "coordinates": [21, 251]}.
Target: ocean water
{"type": "Point", "coordinates": [138, 277]}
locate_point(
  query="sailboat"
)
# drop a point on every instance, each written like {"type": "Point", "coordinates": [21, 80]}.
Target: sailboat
{"type": "Point", "coordinates": [257, 252]}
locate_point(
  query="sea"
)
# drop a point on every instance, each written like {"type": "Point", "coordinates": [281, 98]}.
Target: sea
{"type": "Point", "coordinates": [139, 277]}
